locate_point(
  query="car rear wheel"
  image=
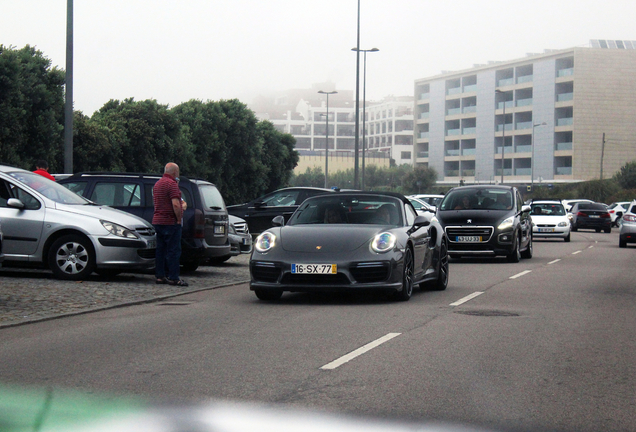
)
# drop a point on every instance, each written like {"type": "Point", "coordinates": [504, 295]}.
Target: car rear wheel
{"type": "Point", "coordinates": [608, 230]}
{"type": "Point", "coordinates": [622, 243]}
{"type": "Point", "coordinates": [71, 257]}
{"type": "Point", "coordinates": [407, 277]}
{"type": "Point", "coordinates": [515, 255]}
{"type": "Point", "coordinates": [189, 266]}
{"type": "Point", "coordinates": [268, 295]}
{"type": "Point", "coordinates": [441, 282]}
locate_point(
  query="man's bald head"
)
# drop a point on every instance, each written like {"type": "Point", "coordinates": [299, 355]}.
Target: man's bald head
{"type": "Point", "coordinates": [172, 169]}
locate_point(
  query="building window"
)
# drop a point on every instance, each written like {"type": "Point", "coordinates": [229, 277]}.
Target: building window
{"type": "Point", "coordinates": [405, 155]}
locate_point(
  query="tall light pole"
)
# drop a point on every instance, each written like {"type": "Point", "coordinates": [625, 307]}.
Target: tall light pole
{"type": "Point", "coordinates": [532, 156]}
{"type": "Point", "coordinates": [357, 128]}
{"type": "Point", "coordinates": [364, 104]}
{"type": "Point", "coordinates": [503, 135]}
{"type": "Point", "coordinates": [68, 90]}
{"type": "Point", "coordinates": [327, 136]}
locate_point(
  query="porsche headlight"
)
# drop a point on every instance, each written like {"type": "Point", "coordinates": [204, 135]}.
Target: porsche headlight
{"type": "Point", "coordinates": [506, 224]}
{"type": "Point", "coordinates": [383, 242]}
{"type": "Point", "coordinates": [118, 230]}
{"type": "Point", "coordinates": [265, 242]}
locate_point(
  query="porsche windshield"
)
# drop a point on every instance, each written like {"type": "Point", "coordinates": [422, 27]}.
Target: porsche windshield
{"type": "Point", "coordinates": [349, 209]}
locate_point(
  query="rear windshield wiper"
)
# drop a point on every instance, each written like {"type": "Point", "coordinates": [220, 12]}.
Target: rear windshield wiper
{"type": "Point", "coordinates": [215, 208]}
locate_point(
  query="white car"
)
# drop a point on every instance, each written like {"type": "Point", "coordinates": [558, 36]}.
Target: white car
{"type": "Point", "coordinates": [617, 210]}
{"type": "Point", "coordinates": [422, 207]}
{"type": "Point", "coordinates": [628, 226]}
{"type": "Point", "coordinates": [430, 199]}
{"type": "Point", "coordinates": [550, 220]}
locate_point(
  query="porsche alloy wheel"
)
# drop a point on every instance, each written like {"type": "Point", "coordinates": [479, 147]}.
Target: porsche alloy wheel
{"type": "Point", "coordinates": [407, 277]}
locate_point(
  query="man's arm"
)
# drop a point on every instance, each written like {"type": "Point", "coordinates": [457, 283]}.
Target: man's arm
{"type": "Point", "coordinates": [176, 206]}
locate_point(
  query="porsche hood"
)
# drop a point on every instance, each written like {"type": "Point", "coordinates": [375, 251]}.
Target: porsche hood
{"type": "Point", "coordinates": [312, 238]}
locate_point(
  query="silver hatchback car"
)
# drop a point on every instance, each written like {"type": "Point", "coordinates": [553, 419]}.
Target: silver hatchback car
{"type": "Point", "coordinates": [46, 225]}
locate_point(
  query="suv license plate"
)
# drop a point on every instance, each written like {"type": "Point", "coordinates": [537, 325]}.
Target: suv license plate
{"type": "Point", "coordinates": [314, 268]}
{"type": "Point", "coordinates": [468, 239]}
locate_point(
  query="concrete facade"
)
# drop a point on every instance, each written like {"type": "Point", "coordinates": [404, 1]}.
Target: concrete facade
{"type": "Point", "coordinates": [462, 118]}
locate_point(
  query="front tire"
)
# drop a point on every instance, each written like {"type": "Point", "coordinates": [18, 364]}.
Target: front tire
{"type": "Point", "coordinates": [528, 252]}
{"type": "Point", "coordinates": [71, 257]}
{"type": "Point", "coordinates": [268, 295]}
{"type": "Point", "coordinates": [622, 243]}
{"type": "Point", "coordinates": [407, 277]}
{"type": "Point", "coordinates": [515, 255]}
{"type": "Point", "coordinates": [567, 238]}
{"type": "Point", "coordinates": [441, 282]}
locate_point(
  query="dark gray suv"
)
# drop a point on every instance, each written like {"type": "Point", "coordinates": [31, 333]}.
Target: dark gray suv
{"type": "Point", "coordinates": [486, 220]}
{"type": "Point", "coordinates": [205, 223]}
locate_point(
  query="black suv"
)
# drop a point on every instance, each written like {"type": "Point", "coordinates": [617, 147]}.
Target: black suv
{"type": "Point", "coordinates": [205, 222]}
{"type": "Point", "coordinates": [485, 220]}
{"type": "Point", "coordinates": [259, 213]}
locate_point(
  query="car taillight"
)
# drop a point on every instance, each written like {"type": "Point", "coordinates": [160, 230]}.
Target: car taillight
{"type": "Point", "coordinates": [612, 211]}
{"type": "Point", "coordinates": [581, 214]}
{"type": "Point", "coordinates": [199, 224]}
{"type": "Point", "coordinates": [605, 215]}
{"type": "Point", "coordinates": [629, 218]}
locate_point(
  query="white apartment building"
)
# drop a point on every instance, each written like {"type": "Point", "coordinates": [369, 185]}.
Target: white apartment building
{"type": "Point", "coordinates": [303, 114]}
{"type": "Point", "coordinates": [561, 116]}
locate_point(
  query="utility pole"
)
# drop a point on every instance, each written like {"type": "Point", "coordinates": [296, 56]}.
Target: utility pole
{"type": "Point", "coordinates": [68, 89]}
{"type": "Point", "coordinates": [602, 154]}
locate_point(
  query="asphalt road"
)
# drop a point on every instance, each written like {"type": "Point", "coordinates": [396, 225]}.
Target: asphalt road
{"type": "Point", "coordinates": [545, 344]}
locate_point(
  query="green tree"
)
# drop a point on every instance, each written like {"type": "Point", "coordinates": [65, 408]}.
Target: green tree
{"type": "Point", "coordinates": [94, 148]}
{"type": "Point", "coordinates": [146, 132]}
{"type": "Point", "coordinates": [278, 155]}
{"type": "Point", "coordinates": [626, 177]}
{"type": "Point", "coordinates": [31, 108]}
{"type": "Point", "coordinates": [419, 180]}
{"type": "Point", "coordinates": [312, 177]}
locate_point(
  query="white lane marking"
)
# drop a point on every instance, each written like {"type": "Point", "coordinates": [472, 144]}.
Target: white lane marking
{"type": "Point", "coordinates": [465, 299]}
{"type": "Point", "coordinates": [520, 274]}
{"type": "Point", "coordinates": [555, 261]}
{"type": "Point", "coordinates": [344, 359]}
{"type": "Point", "coordinates": [577, 252]}
{"type": "Point", "coordinates": [590, 247]}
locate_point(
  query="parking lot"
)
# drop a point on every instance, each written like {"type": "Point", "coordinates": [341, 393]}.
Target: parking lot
{"type": "Point", "coordinates": [32, 295]}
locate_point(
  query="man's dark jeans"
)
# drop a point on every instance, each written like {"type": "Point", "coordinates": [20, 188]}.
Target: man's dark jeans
{"type": "Point", "coordinates": [168, 251]}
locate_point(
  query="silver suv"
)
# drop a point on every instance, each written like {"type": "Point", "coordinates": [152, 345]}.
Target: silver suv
{"type": "Point", "coordinates": [46, 225]}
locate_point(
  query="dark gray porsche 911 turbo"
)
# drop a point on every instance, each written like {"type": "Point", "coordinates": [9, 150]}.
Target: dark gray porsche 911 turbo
{"type": "Point", "coordinates": [351, 241]}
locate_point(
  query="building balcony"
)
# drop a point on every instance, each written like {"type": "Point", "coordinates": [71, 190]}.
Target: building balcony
{"type": "Point", "coordinates": [451, 152]}
{"type": "Point", "coordinates": [422, 154]}
{"type": "Point", "coordinates": [523, 125]}
{"type": "Point", "coordinates": [568, 121]}
{"type": "Point", "coordinates": [468, 173]}
{"type": "Point", "coordinates": [524, 102]}
{"type": "Point", "coordinates": [453, 132]}
{"type": "Point", "coordinates": [506, 172]}
{"type": "Point", "coordinates": [523, 171]}
{"type": "Point", "coordinates": [563, 146]}
{"type": "Point", "coordinates": [505, 82]}
{"type": "Point", "coordinates": [424, 96]}
{"type": "Point", "coordinates": [563, 170]}
{"type": "Point", "coordinates": [470, 88]}
{"type": "Point", "coordinates": [564, 97]}
{"type": "Point", "coordinates": [469, 130]}
{"type": "Point", "coordinates": [565, 72]}
{"type": "Point", "coordinates": [523, 149]}
{"type": "Point", "coordinates": [524, 79]}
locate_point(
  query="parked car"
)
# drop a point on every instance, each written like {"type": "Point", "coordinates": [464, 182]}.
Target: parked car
{"type": "Point", "coordinates": [46, 225]}
{"type": "Point", "coordinates": [352, 241]}
{"type": "Point", "coordinates": [568, 203]}
{"type": "Point", "coordinates": [628, 226]}
{"type": "Point", "coordinates": [422, 207]}
{"type": "Point", "coordinates": [616, 211]}
{"type": "Point", "coordinates": [591, 216]}
{"type": "Point", "coordinates": [240, 240]}
{"type": "Point", "coordinates": [1, 252]}
{"type": "Point", "coordinates": [486, 220]}
{"type": "Point", "coordinates": [205, 221]}
{"type": "Point", "coordinates": [550, 220]}
{"type": "Point", "coordinates": [430, 199]}
{"type": "Point", "coordinates": [259, 213]}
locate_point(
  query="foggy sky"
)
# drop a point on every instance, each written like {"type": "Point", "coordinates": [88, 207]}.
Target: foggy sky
{"type": "Point", "coordinates": [174, 51]}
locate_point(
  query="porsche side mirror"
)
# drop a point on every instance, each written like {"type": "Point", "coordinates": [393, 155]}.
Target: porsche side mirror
{"type": "Point", "coordinates": [279, 221]}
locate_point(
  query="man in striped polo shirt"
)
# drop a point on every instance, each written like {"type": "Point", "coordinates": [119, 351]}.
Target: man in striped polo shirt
{"type": "Point", "coordinates": [167, 220]}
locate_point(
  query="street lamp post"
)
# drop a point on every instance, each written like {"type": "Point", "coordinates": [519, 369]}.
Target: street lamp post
{"type": "Point", "coordinates": [503, 135]}
{"type": "Point", "coordinates": [364, 104]}
{"type": "Point", "coordinates": [327, 136]}
{"type": "Point", "coordinates": [357, 127]}
{"type": "Point", "coordinates": [532, 157]}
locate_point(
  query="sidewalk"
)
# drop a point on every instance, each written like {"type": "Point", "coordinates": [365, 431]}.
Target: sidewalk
{"type": "Point", "coordinates": [33, 295]}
